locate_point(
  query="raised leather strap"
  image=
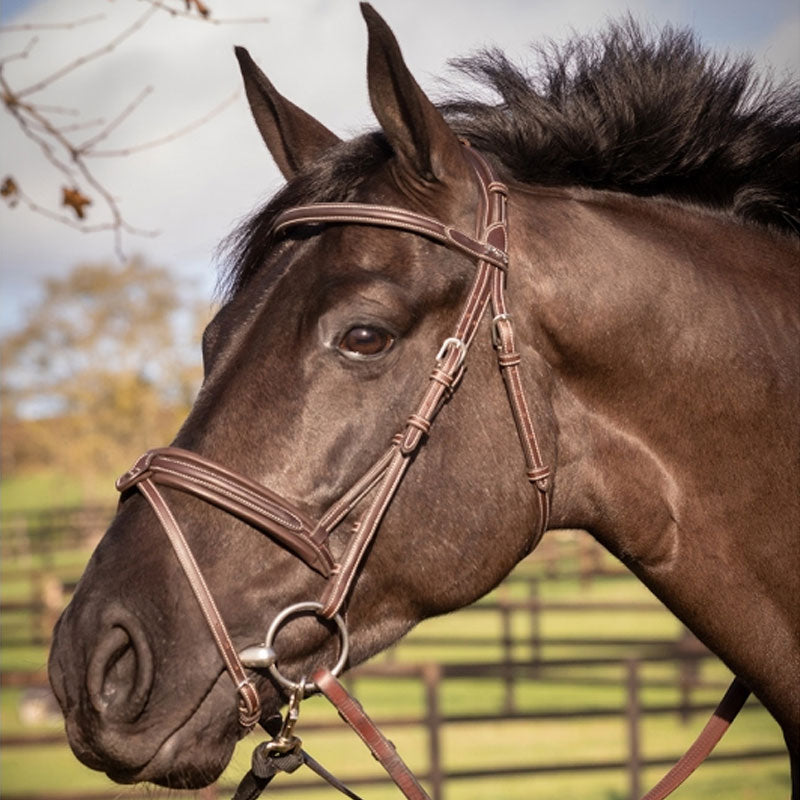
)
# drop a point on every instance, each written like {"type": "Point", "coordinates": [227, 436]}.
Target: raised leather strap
{"type": "Point", "coordinates": [257, 505]}
{"type": "Point", "coordinates": [339, 584]}
{"type": "Point", "coordinates": [449, 363]}
{"type": "Point", "coordinates": [730, 705]}
{"type": "Point", "coordinates": [351, 711]}
{"type": "Point", "coordinates": [250, 704]}
{"type": "Point", "coordinates": [390, 217]}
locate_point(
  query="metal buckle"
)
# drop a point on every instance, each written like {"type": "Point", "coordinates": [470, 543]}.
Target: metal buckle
{"type": "Point", "coordinates": [268, 651]}
{"type": "Point", "coordinates": [495, 331]}
{"type": "Point", "coordinates": [452, 341]}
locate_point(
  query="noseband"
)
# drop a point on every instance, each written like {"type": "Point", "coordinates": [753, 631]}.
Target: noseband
{"type": "Point", "coordinates": [308, 538]}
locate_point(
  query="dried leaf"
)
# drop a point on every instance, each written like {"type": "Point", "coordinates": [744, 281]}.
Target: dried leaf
{"type": "Point", "coordinates": [75, 200]}
{"type": "Point", "coordinates": [9, 191]}
{"type": "Point", "coordinates": [201, 7]}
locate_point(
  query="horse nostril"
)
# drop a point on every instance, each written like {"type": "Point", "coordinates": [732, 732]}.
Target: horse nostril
{"type": "Point", "coordinates": [120, 673]}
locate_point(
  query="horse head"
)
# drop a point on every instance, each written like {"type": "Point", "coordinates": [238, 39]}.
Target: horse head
{"type": "Point", "coordinates": [328, 339]}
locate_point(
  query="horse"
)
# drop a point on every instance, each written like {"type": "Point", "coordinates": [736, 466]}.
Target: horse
{"type": "Point", "coordinates": [631, 214]}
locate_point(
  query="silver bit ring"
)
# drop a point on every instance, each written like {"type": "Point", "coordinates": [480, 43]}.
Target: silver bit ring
{"type": "Point", "coordinates": [309, 607]}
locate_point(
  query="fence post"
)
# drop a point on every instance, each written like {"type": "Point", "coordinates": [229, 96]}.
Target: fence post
{"type": "Point", "coordinates": [431, 674]}
{"type": "Point", "coordinates": [508, 658]}
{"type": "Point", "coordinates": [688, 672]}
{"type": "Point", "coordinates": [634, 711]}
{"type": "Point", "coordinates": [536, 623]}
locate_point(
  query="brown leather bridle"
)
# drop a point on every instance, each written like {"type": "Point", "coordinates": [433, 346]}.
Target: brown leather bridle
{"type": "Point", "coordinates": [309, 538]}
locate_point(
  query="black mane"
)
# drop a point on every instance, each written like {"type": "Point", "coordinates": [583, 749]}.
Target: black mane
{"type": "Point", "coordinates": [645, 116]}
{"type": "Point", "coordinates": [620, 112]}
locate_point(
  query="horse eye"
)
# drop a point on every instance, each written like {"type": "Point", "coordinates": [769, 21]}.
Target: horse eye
{"type": "Point", "coordinates": [365, 341]}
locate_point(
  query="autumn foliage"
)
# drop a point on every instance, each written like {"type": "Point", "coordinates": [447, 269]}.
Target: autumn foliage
{"type": "Point", "coordinates": [106, 365]}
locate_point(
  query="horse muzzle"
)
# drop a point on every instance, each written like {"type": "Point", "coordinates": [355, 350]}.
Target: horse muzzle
{"type": "Point", "coordinates": [105, 683]}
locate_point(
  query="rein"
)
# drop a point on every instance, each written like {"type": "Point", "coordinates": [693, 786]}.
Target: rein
{"type": "Point", "coordinates": [308, 538]}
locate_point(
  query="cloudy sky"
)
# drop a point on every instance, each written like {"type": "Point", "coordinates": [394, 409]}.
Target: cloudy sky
{"type": "Point", "coordinates": [194, 189]}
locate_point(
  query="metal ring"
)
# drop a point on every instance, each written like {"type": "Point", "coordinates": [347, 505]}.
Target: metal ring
{"type": "Point", "coordinates": [310, 607]}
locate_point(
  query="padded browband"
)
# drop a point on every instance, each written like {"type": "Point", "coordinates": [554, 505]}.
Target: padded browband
{"type": "Point", "coordinates": [391, 217]}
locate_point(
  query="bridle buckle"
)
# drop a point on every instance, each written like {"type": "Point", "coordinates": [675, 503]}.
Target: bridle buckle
{"type": "Point", "coordinates": [496, 341]}
{"type": "Point", "coordinates": [452, 341]}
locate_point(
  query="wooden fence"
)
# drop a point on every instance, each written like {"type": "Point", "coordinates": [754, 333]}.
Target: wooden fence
{"type": "Point", "coordinates": [434, 721]}
{"type": "Point", "coordinates": [565, 556]}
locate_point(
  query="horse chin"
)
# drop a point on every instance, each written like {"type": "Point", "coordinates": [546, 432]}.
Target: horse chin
{"type": "Point", "coordinates": [195, 753]}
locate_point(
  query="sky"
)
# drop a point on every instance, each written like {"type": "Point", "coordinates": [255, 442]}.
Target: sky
{"type": "Point", "coordinates": [193, 190]}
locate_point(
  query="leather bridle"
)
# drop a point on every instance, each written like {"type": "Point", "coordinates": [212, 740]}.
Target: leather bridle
{"type": "Point", "coordinates": [308, 538]}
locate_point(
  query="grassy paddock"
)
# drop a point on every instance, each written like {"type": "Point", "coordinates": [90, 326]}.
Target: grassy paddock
{"type": "Point", "coordinates": [47, 770]}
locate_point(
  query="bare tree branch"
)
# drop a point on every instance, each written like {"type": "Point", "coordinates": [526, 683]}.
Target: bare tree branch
{"type": "Point", "coordinates": [13, 194]}
{"type": "Point", "coordinates": [170, 137]}
{"type": "Point", "coordinates": [79, 62]}
{"type": "Point", "coordinates": [51, 26]}
{"type": "Point", "coordinates": [203, 13]}
{"type": "Point", "coordinates": [24, 53]}
{"type": "Point", "coordinates": [59, 142]}
{"type": "Point", "coordinates": [71, 112]}
{"type": "Point", "coordinates": [116, 122]}
{"type": "Point", "coordinates": [25, 114]}
{"type": "Point", "coordinates": [81, 126]}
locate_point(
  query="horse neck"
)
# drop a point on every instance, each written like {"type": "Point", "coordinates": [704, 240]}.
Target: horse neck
{"type": "Point", "coordinates": [670, 339]}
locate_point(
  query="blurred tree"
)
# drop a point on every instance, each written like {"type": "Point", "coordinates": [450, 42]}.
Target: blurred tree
{"type": "Point", "coordinates": [106, 365]}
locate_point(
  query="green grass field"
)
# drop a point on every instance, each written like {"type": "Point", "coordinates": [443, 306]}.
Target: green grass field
{"type": "Point", "coordinates": [467, 747]}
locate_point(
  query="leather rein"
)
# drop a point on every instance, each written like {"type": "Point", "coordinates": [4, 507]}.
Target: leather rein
{"type": "Point", "coordinates": [308, 538]}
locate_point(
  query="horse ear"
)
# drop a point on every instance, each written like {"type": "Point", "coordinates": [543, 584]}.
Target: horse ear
{"type": "Point", "coordinates": [294, 137]}
{"type": "Point", "coordinates": [423, 142]}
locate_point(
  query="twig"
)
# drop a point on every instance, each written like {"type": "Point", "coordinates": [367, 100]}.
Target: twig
{"type": "Point", "coordinates": [24, 53]}
{"type": "Point", "coordinates": [59, 143]}
{"type": "Point", "coordinates": [170, 137]}
{"type": "Point", "coordinates": [79, 62]}
{"type": "Point", "coordinates": [203, 17]}
{"type": "Point", "coordinates": [24, 114]}
{"type": "Point", "coordinates": [116, 122]}
{"type": "Point", "coordinates": [70, 112]}
{"type": "Point", "coordinates": [80, 126]}
{"type": "Point", "coordinates": [51, 26]}
{"type": "Point", "coordinates": [21, 196]}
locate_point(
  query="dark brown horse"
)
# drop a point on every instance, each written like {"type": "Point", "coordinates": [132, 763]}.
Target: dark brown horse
{"type": "Point", "coordinates": [653, 283]}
